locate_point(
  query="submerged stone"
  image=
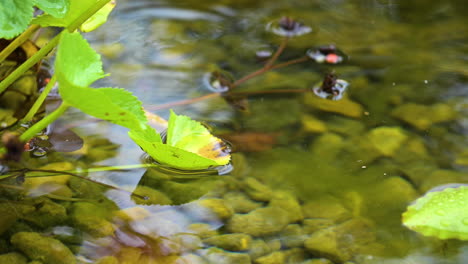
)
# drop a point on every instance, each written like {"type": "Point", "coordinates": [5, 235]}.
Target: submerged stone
{"type": "Point", "coordinates": [259, 248]}
{"type": "Point", "coordinates": [260, 222]}
{"type": "Point", "coordinates": [219, 256]}
{"type": "Point", "coordinates": [202, 230]}
{"type": "Point", "coordinates": [211, 209]}
{"type": "Point", "coordinates": [387, 140]}
{"type": "Point", "coordinates": [423, 117]}
{"type": "Point", "coordinates": [340, 243]}
{"type": "Point", "coordinates": [289, 203]}
{"type": "Point", "coordinates": [152, 196]}
{"type": "Point", "coordinates": [46, 213]}
{"type": "Point", "coordinates": [108, 260]}
{"type": "Point", "coordinates": [13, 258]}
{"type": "Point", "coordinates": [231, 242]}
{"type": "Point", "coordinates": [257, 190]}
{"type": "Point", "coordinates": [312, 124]}
{"type": "Point", "coordinates": [326, 208]}
{"type": "Point", "coordinates": [240, 203]}
{"type": "Point", "coordinates": [46, 249]}
{"type": "Point", "coordinates": [345, 106]}
{"type": "Point", "coordinates": [278, 257]}
{"type": "Point", "coordinates": [91, 219]}
{"type": "Point", "coordinates": [292, 236]}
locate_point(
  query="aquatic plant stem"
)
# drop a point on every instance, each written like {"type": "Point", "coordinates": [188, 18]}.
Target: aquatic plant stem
{"type": "Point", "coordinates": [267, 67]}
{"type": "Point", "coordinates": [17, 42]}
{"type": "Point", "coordinates": [278, 52]}
{"type": "Point", "coordinates": [30, 115]}
{"type": "Point", "coordinates": [49, 46]}
{"type": "Point", "coordinates": [290, 62]}
{"type": "Point", "coordinates": [43, 123]}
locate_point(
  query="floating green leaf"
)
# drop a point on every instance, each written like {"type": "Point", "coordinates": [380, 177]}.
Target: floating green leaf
{"type": "Point", "coordinates": [99, 18]}
{"type": "Point", "coordinates": [56, 8]}
{"type": "Point", "coordinates": [190, 135]}
{"type": "Point", "coordinates": [442, 214]}
{"type": "Point", "coordinates": [15, 16]}
{"type": "Point", "coordinates": [76, 9]}
{"type": "Point", "coordinates": [75, 73]}
{"type": "Point", "coordinates": [190, 146]}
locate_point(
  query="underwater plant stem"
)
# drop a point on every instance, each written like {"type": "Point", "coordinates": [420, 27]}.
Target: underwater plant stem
{"type": "Point", "coordinates": [39, 126]}
{"type": "Point", "coordinates": [184, 102]}
{"type": "Point", "coordinates": [49, 46]}
{"type": "Point", "coordinates": [17, 42]}
{"type": "Point", "coordinates": [290, 62]}
{"type": "Point", "coordinates": [278, 52]}
{"type": "Point", "coordinates": [268, 66]}
{"type": "Point", "coordinates": [30, 115]}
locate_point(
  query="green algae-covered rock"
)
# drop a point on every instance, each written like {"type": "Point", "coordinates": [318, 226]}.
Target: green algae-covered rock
{"type": "Point", "coordinates": [257, 190]}
{"type": "Point", "coordinates": [422, 116]}
{"type": "Point", "coordinates": [289, 203]}
{"type": "Point", "coordinates": [240, 203]}
{"type": "Point", "coordinates": [108, 260]}
{"type": "Point", "coordinates": [345, 126]}
{"type": "Point", "coordinates": [6, 118]}
{"type": "Point", "coordinates": [317, 261]}
{"type": "Point", "coordinates": [312, 124]}
{"type": "Point", "coordinates": [47, 213]}
{"type": "Point", "coordinates": [326, 207]}
{"type": "Point", "coordinates": [202, 230]}
{"type": "Point", "coordinates": [45, 249]}
{"type": "Point", "coordinates": [278, 257]}
{"type": "Point", "coordinates": [260, 222]}
{"type": "Point", "coordinates": [344, 106]}
{"type": "Point", "coordinates": [152, 196]}
{"type": "Point", "coordinates": [292, 236]}
{"type": "Point", "coordinates": [311, 225]}
{"type": "Point", "coordinates": [327, 146]}
{"type": "Point", "coordinates": [219, 256]}
{"type": "Point", "coordinates": [333, 243]}
{"type": "Point", "coordinates": [209, 209]}
{"type": "Point", "coordinates": [259, 248]}
{"type": "Point", "coordinates": [8, 217]}
{"type": "Point", "coordinates": [231, 242]}
{"type": "Point", "coordinates": [387, 140]}
{"type": "Point", "coordinates": [13, 258]}
{"type": "Point", "coordinates": [440, 177]}
{"type": "Point", "coordinates": [92, 219]}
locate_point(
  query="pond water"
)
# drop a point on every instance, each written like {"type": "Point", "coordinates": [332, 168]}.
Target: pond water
{"type": "Point", "coordinates": [314, 180]}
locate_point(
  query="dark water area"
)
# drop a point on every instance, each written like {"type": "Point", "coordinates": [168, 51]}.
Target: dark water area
{"type": "Point", "coordinates": [314, 180]}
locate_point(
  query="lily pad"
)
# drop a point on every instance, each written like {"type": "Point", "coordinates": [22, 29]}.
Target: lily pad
{"type": "Point", "coordinates": [440, 213]}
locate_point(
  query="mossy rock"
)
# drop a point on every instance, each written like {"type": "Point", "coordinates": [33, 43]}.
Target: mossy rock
{"type": "Point", "coordinates": [46, 249]}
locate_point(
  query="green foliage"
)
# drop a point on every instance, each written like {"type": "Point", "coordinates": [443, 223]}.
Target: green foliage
{"type": "Point", "coordinates": [76, 73]}
{"type": "Point", "coordinates": [56, 8]}
{"type": "Point", "coordinates": [189, 146]}
{"type": "Point", "coordinates": [99, 18]}
{"type": "Point", "coordinates": [77, 8]}
{"type": "Point", "coordinates": [442, 214]}
{"type": "Point", "coordinates": [15, 16]}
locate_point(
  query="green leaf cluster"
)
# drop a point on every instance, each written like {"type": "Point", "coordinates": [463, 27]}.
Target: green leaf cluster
{"type": "Point", "coordinates": [189, 144]}
{"type": "Point", "coordinates": [442, 214]}
{"type": "Point", "coordinates": [15, 15]}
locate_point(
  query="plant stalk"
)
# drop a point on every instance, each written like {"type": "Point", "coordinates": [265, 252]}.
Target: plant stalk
{"type": "Point", "coordinates": [30, 115]}
{"type": "Point", "coordinates": [17, 42]}
{"type": "Point", "coordinates": [43, 123]}
{"type": "Point", "coordinates": [49, 46]}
